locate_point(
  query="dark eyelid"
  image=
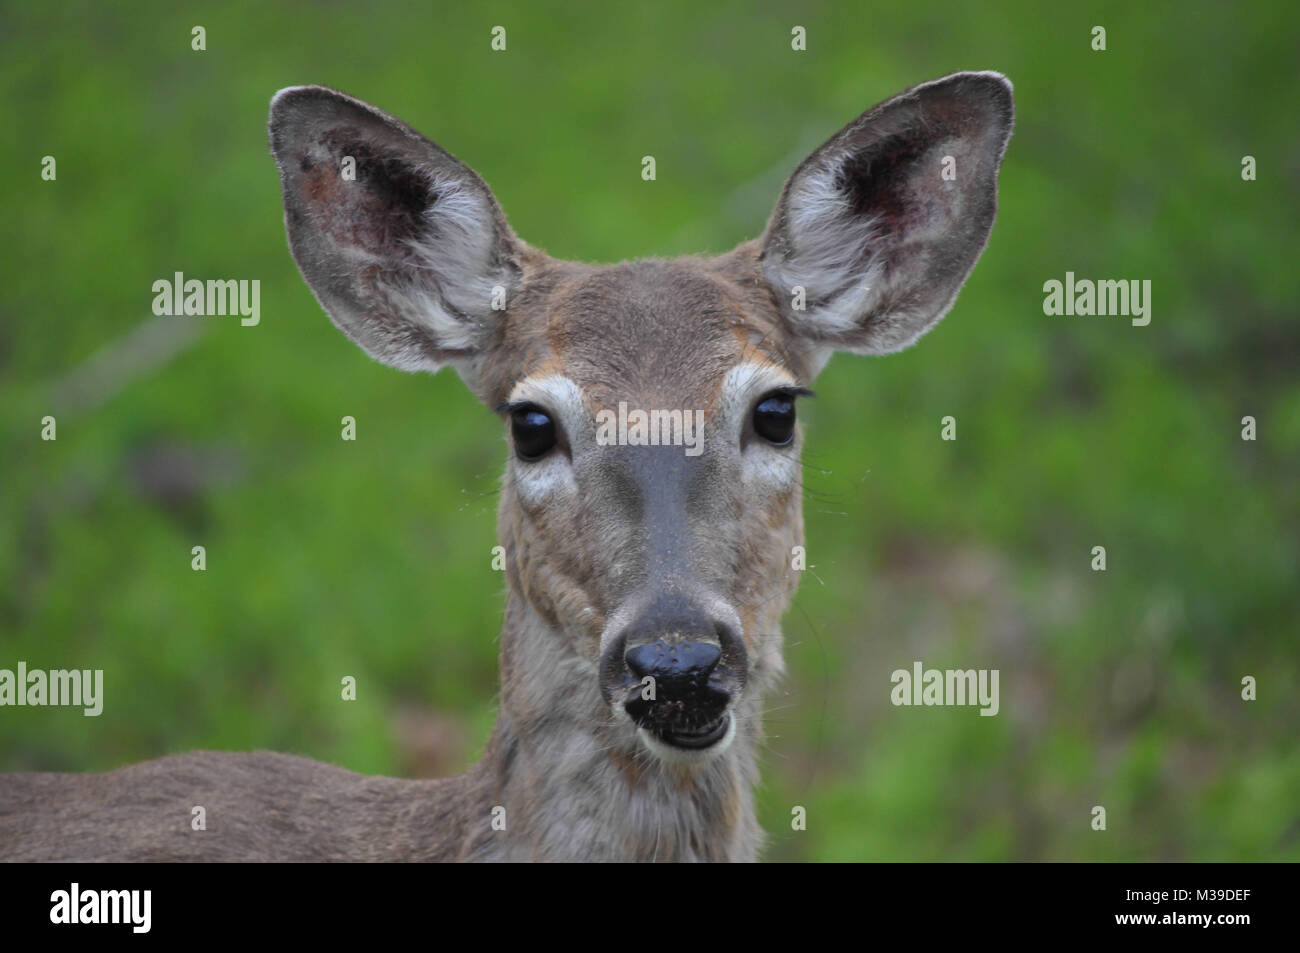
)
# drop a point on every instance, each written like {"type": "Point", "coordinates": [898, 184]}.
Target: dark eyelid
{"type": "Point", "coordinates": [791, 391]}
{"type": "Point", "coordinates": [510, 406]}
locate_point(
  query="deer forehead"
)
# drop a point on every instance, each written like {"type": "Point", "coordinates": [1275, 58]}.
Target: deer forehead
{"type": "Point", "coordinates": [653, 333]}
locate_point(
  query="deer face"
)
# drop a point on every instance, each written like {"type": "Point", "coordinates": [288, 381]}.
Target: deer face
{"type": "Point", "coordinates": [651, 503]}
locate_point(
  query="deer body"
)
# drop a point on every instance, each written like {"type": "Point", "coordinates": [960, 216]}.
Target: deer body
{"type": "Point", "coordinates": [645, 584]}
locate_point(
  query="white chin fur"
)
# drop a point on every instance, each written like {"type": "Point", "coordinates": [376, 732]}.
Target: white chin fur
{"type": "Point", "coordinates": [670, 754]}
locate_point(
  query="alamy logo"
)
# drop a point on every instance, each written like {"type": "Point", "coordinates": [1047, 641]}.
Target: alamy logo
{"type": "Point", "coordinates": [56, 687]}
{"type": "Point", "coordinates": [956, 687]}
{"type": "Point", "coordinates": [651, 428]}
{"type": "Point", "coordinates": [182, 296]}
{"type": "Point", "coordinates": [102, 906]}
{"type": "Point", "coordinates": [1083, 296]}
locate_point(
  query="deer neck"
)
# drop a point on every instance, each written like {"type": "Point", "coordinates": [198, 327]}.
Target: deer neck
{"type": "Point", "coordinates": [575, 786]}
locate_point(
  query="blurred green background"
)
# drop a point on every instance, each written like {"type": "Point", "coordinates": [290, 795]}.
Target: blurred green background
{"type": "Point", "coordinates": [372, 558]}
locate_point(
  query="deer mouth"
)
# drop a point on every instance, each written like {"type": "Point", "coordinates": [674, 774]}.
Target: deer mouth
{"type": "Point", "coordinates": [690, 747]}
{"type": "Point", "coordinates": [695, 739]}
{"type": "Point", "coordinates": [693, 721]}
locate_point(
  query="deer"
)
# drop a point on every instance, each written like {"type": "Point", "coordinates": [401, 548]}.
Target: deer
{"type": "Point", "coordinates": [645, 585]}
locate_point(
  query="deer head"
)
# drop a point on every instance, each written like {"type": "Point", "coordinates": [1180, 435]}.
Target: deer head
{"type": "Point", "coordinates": [651, 499]}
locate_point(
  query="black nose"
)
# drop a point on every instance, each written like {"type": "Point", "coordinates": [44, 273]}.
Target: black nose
{"type": "Point", "coordinates": [680, 687]}
{"type": "Point", "coordinates": [675, 670]}
{"type": "Point", "coordinates": [680, 669]}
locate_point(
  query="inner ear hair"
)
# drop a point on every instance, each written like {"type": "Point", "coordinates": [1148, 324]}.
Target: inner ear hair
{"type": "Point", "coordinates": [403, 245]}
{"type": "Point", "coordinates": [876, 231]}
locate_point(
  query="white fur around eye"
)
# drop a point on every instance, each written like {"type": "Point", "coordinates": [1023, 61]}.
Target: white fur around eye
{"type": "Point", "coordinates": [763, 464]}
{"type": "Point", "coordinates": [552, 475]}
{"type": "Point", "coordinates": [546, 479]}
{"type": "Point", "coordinates": [775, 468]}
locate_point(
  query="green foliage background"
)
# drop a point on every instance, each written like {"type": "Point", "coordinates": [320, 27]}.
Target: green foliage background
{"type": "Point", "coordinates": [371, 558]}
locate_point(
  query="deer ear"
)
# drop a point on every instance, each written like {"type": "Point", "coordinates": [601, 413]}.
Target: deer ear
{"type": "Point", "coordinates": [881, 226]}
{"type": "Point", "coordinates": [404, 247]}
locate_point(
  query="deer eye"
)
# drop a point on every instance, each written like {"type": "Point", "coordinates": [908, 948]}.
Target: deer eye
{"type": "Point", "coordinates": [774, 418]}
{"type": "Point", "coordinates": [533, 431]}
